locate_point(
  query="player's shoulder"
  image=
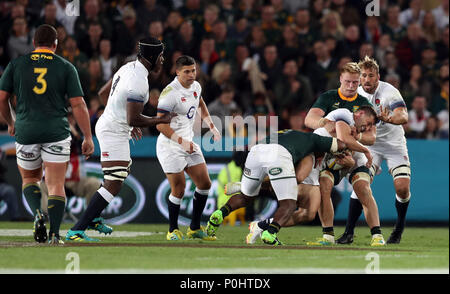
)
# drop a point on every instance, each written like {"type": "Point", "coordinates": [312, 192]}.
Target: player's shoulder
{"type": "Point", "coordinates": [330, 93]}
{"type": "Point", "coordinates": [387, 88]}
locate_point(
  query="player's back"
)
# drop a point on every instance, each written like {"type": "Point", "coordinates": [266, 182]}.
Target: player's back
{"type": "Point", "coordinates": [341, 114]}
{"type": "Point", "coordinates": [129, 83]}
{"type": "Point", "coordinates": [42, 82]}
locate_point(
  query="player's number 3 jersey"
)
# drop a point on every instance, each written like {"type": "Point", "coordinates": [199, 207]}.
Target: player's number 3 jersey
{"type": "Point", "coordinates": [184, 102]}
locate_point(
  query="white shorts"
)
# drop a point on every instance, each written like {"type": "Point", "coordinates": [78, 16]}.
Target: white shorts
{"type": "Point", "coordinates": [173, 158]}
{"type": "Point", "coordinates": [114, 144]}
{"type": "Point", "coordinates": [394, 156]}
{"type": "Point", "coordinates": [276, 162]}
{"type": "Point", "coordinates": [30, 157]}
{"type": "Point", "coordinates": [313, 177]}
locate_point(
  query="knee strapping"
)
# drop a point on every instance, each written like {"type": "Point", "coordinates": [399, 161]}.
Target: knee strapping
{"type": "Point", "coordinates": [116, 173]}
{"type": "Point", "coordinates": [361, 173]}
{"type": "Point", "coordinates": [401, 171]}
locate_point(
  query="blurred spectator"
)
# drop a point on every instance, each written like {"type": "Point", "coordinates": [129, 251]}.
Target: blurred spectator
{"type": "Point", "coordinates": [430, 67]}
{"type": "Point", "coordinates": [223, 105]}
{"type": "Point", "coordinates": [156, 29]}
{"type": "Point", "coordinates": [293, 5]}
{"type": "Point", "coordinates": [432, 129]}
{"type": "Point", "coordinates": [352, 41]}
{"type": "Point", "coordinates": [227, 12]}
{"type": "Point", "coordinates": [240, 30]}
{"type": "Point", "coordinates": [127, 33]}
{"type": "Point", "coordinates": [116, 10]}
{"type": "Point", "coordinates": [393, 79]}
{"type": "Point", "coordinates": [414, 14]}
{"type": "Point", "coordinates": [49, 16]}
{"type": "Point", "coordinates": [321, 68]}
{"type": "Point", "coordinates": [269, 24]}
{"type": "Point", "coordinates": [91, 13]}
{"type": "Point", "coordinates": [416, 86]}
{"type": "Point", "coordinates": [90, 43]}
{"type": "Point", "coordinates": [409, 49]}
{"type": "Point", "coordinates": [109, 63]}
{"type": "Point", "coordinates": [430, 29]}
{"type": "Point", "coordinates": [150, 11]}
{"type": "Point", "coordinates": [62, 36]}
{"type": "Point", "coordinates": [289, 47]}
{"type": "Point", "coordinates": [220, 78]}
{"type": "Point", "coordinates": [441, 14]}
{"type": "Point", "coordinates": [20, 41]}
{"type": "Point", "coordinates": [306, 32]}
{"type": "Point", "coordinates": [443, 123]}
{"type": "Point", "coordinates": [208, 54]}
{"type": "Point", "coordinates": [74, 55]}
{"type": "Point", "coordinates": [318, 8]}
{"type": "Point", "coordinates": [440, 99]}
{"type": "Point", "coordinates": [92, 81]}
{"type": "Point", "coordinates": [256, 41]}
{"type": "Point", "coordinates": [248, 8]}
{"type": "Point", "coordinates": [186, 41]}
{"type": "Point", "coordinates": [282, 16]}
{"type": "Point", "coordinates": [391, 66]}
{"type": "Point", "coordinates": [442, 46]}
{"type": "Point", "coordinates": [372, 30]}
{"type": "Point", "coordinates": [392, 26]}
{"type": "Point", "coordinates": [332, 26]}
{"type": "Point", "coordinates": [366, 49]}
{"type": "Point", "coordinates": [270, 65]}
{"type": "Point", "coordinates": [171, 28]}
{"type": "Point", "coordinates": [417, 117]}
{"type": "Point", "coordinates": [292, 90]}
{"type": "Point", "coordinates": [210, 16]}
{"type": "Point", "coordinates": [67, 20]}
{"type": "Point", "coordinates": [224, 46]}
{"type": "Point", "coordinates": [192, 10]}
{"type": "Point", "coordinates": [384, 45]}
{"type": "Point", "coordinates": [348, 13]}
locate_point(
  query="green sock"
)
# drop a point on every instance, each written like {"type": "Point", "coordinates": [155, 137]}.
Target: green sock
{"type": "Point", "coordinates": [226, 209]}
{"type": "Point", "coordinates": [32, 193]}
{"type": "Point", "coordinates": [56, 206]}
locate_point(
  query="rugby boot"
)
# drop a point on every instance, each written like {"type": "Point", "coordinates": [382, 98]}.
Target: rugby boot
{"type": "Point", "coordinates": [79, 236]}
{"type": "Point", "coordinates": [377, 240]}
{"type": "Point", "coordinates": [270, 239]}
{"type": "Point", "coordinates": [55, 239]}
{"type": "Point", "coordinates": [214, 222]}
{"type": "Point", "coordinates": [346, 238]}
{"type": "Point", "coordinates": [199, 234]}
{"type": "Point", "coordinates": [99, 225]}
{"type": "Point", "coordinates": [255, 233]}
{"type": "Point", "coordinates": [39, 229]}
{"type": "Point", "coordinates": [175, 235]}
{"type": "Point", "coordinates": [395, 237]}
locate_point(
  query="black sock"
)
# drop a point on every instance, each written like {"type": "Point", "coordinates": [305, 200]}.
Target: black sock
{"type": "Point", "coordinates": [273, 228]}
{"type": "Point", "coordinates": [264, 224]}
{"type": "Point", "coordinates": [94, 209]}
{"type": "Point", "coordinates": [375, 230]}
{"type": "Point", "coordinates": [402, 208]}
{"type": "Point", "coordinates": [199, 205]}
{"type": "Point", "coordinates": [354, 212]}
{"type": "Point", "coordinates": [226, 209]}
{"type": "Point", "coordinates": [174, 211]}
{"type": "Point", "coordinates": [328, 231]}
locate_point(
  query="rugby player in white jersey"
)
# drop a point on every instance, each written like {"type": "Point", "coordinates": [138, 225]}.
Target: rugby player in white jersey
{"type": "Point", "coordinates": [390, 145]}
{"type": "Point", "coordinates": [126, 94]}
{"type": "Point", "coordinates": [177, 153]}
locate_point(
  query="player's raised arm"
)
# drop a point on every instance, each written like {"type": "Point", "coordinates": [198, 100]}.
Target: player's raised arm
{"type": "Point", "coordinates": [399, 116]}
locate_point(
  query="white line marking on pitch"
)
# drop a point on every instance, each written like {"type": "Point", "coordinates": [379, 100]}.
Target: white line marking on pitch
{"type": "Point", "coordinates": [25, 233]}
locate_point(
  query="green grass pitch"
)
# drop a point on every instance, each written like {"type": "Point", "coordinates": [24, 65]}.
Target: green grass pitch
{"type": "Point", "coordinates": [142, 248]}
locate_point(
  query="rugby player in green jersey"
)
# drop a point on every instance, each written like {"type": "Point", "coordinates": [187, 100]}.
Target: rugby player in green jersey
{"type": "Point", "coordinates": [43, 83]}
{"type": "Point", "coordinates": [347, 97]}
{"type": "Point", "coordinates": [276, 159]}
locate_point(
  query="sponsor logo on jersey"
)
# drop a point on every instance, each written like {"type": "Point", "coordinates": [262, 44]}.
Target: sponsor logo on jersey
{"type": "Point", "coordinates": [56, 148]}
{"type": "Point", "coordinates": [27, 155]}
{"type": "Point", "coordinates": [105, 154]}
{"type": "Point", "coordinates": [183, 99]}
{"type": "Point", "coordinates": [165, 91]}
{"type": "Point", "coordinates": [355, 108]}
{"type": "Point", "coordinates": [247, 172]}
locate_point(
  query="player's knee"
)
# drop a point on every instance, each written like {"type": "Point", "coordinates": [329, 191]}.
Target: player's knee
{"type": "Point", "coordinates": [402, 192]}
{"type": "Point", "coordinates": [205, 185]}
{"type": "Point", "coordinates": [113, 187]}
{"type": "Point", "coordinates": [401, 172]}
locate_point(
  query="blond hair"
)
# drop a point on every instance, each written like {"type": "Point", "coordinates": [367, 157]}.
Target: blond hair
{"type": "Point", "coordinates": [351, 67]}
{"type": "Point", "coordinates": [369, 63]}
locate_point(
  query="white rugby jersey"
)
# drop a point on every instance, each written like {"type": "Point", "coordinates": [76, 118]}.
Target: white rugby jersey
{"type": "Point", "coordinates": [340, 114]}
{"type": "Point", "coordinates": [389, 97]}
{"type": "Point", "coordinates": [184, 102]}
{"type": "Point", "coordinates": [129, 83]}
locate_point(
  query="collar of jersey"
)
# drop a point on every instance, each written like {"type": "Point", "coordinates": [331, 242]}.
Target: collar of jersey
{"type": "Point", "coordinates": [43, 51]}
{"type": "Point", "coordinates": [140, 65]}
{"type": "Point", "coordinates": [347, 98]}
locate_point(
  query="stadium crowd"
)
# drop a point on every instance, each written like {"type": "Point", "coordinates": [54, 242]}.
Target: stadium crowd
{"type": "Point", "coordinates": [254, 57]}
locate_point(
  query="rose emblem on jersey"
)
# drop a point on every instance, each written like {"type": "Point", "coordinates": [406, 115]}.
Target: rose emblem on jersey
{"type": "Point", "coordinates": [195, 95]}
{"type": "Point", "coordinates": [377, 101]}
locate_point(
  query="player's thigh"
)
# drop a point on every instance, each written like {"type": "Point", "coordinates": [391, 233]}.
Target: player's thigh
{"type": "Point", "coordinates": [29, 162]}
{"type": "Point", "coordinates": [171, 158]}
{"type": "Point", "coordinates": [253, 174]}
{"type": "Point", "coordinates": [199, 175]}
{"type": "Point", "coordinates": [283, 179]}
{"type": "Point", "coordinates": [308, 197]}
{"type": "Point", "coordinates": [113, 146]}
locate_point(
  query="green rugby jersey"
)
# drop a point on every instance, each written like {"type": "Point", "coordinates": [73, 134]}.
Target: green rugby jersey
{"type": "Point", "coordinates": [42, 83]}
{"type": "Point", "coordinates": [333, 99]}
{"type": "Point", "coordinates": [300, 144]}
